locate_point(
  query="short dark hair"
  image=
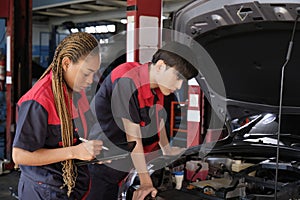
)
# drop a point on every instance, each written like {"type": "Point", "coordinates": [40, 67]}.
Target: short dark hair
{"type": "Point", "coordinates": [177, 55]}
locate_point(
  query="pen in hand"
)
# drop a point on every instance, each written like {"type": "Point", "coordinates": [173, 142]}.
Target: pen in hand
{"type": "Point", "coordinates": [85, 140]}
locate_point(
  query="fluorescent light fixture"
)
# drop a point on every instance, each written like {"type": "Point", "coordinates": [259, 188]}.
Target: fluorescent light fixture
{"type": "Point", "coordinates": [111, 28]}
{"type": "Point", "coordinates": [101, 29]}
{"type": "Point", "coordinates": [164, 17]}
{"type": "Point", "coordinates": [74, 30]}
{"type": "Point", "coordinates": [124, 21]}
{"type": "Point", "coordinates": [103, 41]}
{"type": "Point", "coordinates": [90, 29]}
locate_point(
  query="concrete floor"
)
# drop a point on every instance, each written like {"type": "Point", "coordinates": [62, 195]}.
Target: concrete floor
{"type": "Point", "coordinates": [7, 181]}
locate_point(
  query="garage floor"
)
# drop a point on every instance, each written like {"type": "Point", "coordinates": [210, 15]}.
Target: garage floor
{"type": "Point", "coordinates": [7, 181]}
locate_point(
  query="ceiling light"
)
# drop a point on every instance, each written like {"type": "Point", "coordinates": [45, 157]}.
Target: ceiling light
{"type": "Point", "coordinates": [101, 29]}
{"type": "Point", "coordinates": [90, 29]}
{"type": "Point", "coordinates": [74, 30]}
{"type": "Point", "coordinates": [124, 21]}
{"type": "Point", "coordinates": [164, 17]}
{"type": "Point", "coordinates": [111, 28]}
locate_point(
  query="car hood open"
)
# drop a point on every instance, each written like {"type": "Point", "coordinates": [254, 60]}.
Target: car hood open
{"type": "Point", "coordinates": [248, 41]}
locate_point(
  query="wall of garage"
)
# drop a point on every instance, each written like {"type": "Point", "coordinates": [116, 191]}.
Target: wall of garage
{"type": "Point", "coordinates": [2, 35]}
{"type": "Point", "coordinates": [40, 43]}
{"type": "Point", "coordinates": [2, 95]}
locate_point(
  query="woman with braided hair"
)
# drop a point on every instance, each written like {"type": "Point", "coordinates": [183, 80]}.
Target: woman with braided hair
{"type": "Point", "coordinates": [51, 116]}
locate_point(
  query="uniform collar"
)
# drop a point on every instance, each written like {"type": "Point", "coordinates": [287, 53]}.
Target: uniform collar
{"type": "Point", "coordinates": [144, 77]}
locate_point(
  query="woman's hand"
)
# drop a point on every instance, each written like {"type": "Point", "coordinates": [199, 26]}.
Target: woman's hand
{"type": "Point", "coordinates": [83, 151]}
{"type": "Point", "coordinates": [88, 150]}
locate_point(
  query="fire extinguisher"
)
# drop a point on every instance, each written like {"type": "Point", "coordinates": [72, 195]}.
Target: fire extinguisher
{"type": "Point", "coordinates": [2, 72]}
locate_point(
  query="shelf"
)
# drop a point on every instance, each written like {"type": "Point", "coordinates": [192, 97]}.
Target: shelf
{"type": "Point", "coordinates": [180, 130]}
{"type": "Point", "coordinates": [178, 124]}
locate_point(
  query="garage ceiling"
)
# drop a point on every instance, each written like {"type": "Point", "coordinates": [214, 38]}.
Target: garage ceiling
{"type": "Point", "coordinates": [56, 12]}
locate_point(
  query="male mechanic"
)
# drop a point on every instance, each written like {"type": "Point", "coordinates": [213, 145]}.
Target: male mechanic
{"type": "Point", "coordinates": [129, 107]}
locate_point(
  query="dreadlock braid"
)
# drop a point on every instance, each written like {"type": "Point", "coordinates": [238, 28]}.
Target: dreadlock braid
{"type": "Point", "coordinates": [74, 46]}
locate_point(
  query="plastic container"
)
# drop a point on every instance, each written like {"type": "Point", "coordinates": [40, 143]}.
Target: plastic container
{"type": "Point", "coordinates": [238, 165]}
{"type": "Point", "coordinates": [192, 168]}
{"type": "Point", "coordinates": [178, 179]}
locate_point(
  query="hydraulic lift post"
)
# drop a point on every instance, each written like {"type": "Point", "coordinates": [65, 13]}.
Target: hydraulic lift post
{"type": "Point", "coordinates": [18, 61]}
{"type": "Point", "coordinates": [143, 29]}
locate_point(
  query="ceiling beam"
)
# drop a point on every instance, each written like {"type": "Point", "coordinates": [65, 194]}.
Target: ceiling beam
{"type": "Point", "coordinates": [44, 4]}
{"type": "Point", "coordinates": [72, 11]}
{"type": "Point", "coordinates": [113, 14]}
{"type": "Point", "coordinates": [95, 16]}
{"type": "Point", "coordinates": [93, 7]}
{"type": "Point", "coordinates": [52, 13]}
{"type": "Point", "coordinates": [114, 3]}
{"type": "Point", "coordinates": [170, 6]}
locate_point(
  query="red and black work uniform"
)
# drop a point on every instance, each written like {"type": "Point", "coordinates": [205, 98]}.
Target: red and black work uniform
{"type": "Point", "coordinates": [38, 126]}
{"type": "Point", "coordinates": [125, 93]}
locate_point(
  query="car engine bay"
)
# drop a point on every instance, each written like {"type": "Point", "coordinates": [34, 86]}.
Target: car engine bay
{"type": "Point", "coordinates": [226, 178]}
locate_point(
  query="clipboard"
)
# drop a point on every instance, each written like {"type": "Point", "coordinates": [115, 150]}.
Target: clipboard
{"type": "Point", "coordinates": [116, 152]}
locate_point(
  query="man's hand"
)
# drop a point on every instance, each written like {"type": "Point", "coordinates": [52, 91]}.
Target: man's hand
{"type": "Point", "coordinates": [172, 151]}
{"type": "Point", "coordinates": [143, 191]}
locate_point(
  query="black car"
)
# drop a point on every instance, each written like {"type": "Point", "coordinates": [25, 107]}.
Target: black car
{"type": "Point", "coordinates": [255, 47]}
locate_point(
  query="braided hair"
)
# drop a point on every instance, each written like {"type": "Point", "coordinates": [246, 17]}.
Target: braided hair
{"type": "Point", "coordinates": [75, 46]}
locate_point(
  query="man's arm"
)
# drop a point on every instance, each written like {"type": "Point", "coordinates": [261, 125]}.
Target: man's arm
{"type": "Point", "coordinates": [164, 142]}
{"type": "Point", "coordinates": [133, 133]}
